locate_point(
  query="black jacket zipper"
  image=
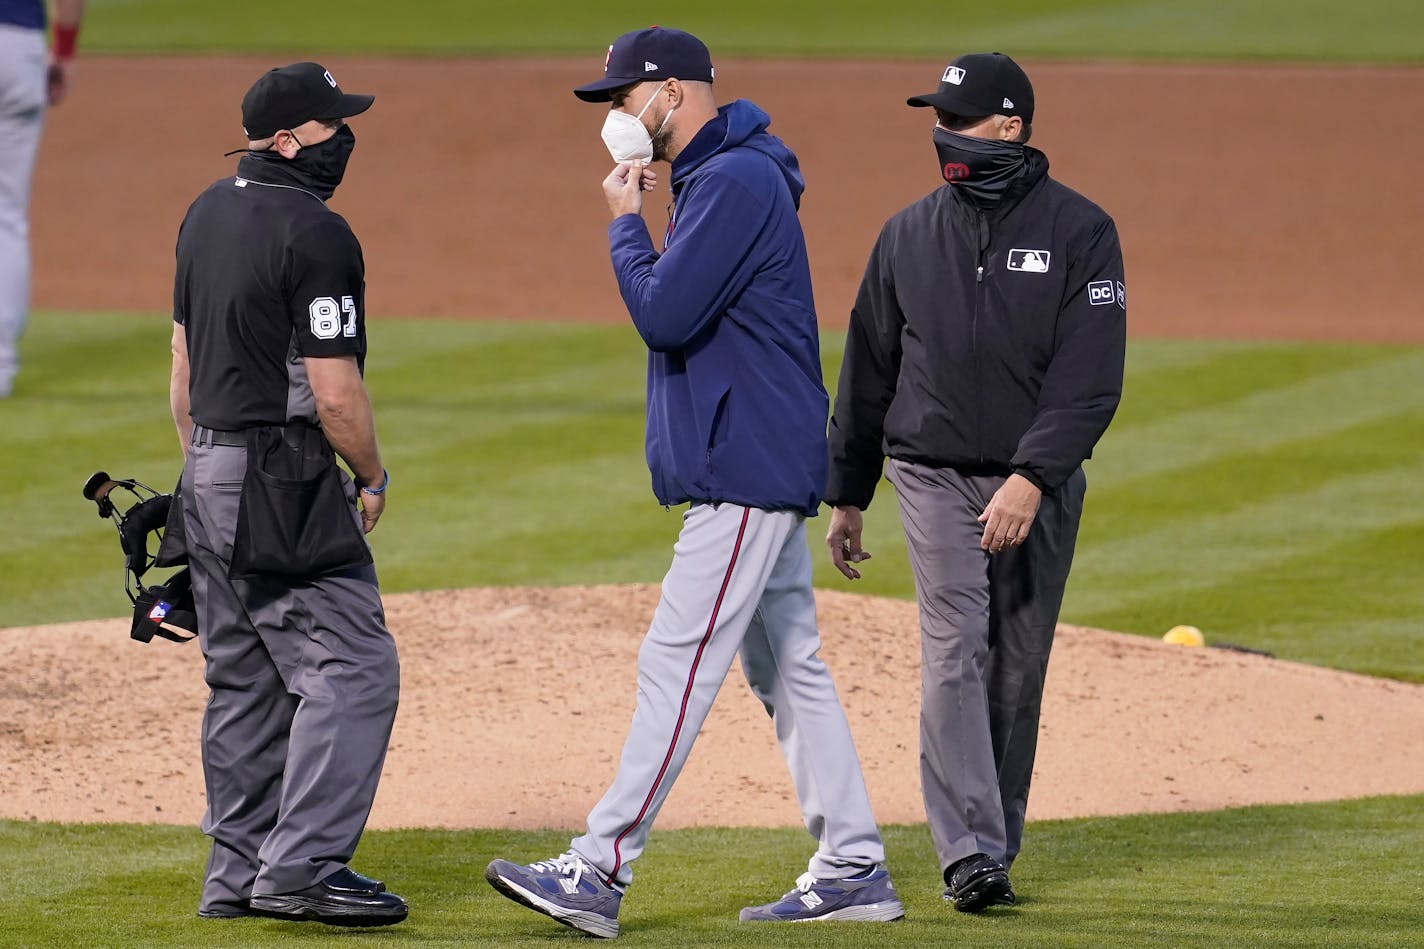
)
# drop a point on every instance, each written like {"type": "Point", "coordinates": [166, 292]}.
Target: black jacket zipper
{"type": "Point", "coordinates": [981, 223]}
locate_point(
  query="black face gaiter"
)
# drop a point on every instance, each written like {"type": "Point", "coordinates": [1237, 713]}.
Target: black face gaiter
{"type": "Point", "coordinates": [316, 168]}
{"type": "Point", "coordinates": [324, 164]}
{"type": "Point", "coordinates": [981, 167]}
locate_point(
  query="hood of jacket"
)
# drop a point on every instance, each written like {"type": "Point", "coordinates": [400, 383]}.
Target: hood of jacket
{"type": "Point", "coordinates": [738, 123]}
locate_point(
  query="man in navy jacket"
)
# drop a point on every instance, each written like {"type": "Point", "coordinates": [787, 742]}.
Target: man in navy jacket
{"type": "Point", "coordinates": [736, 426]}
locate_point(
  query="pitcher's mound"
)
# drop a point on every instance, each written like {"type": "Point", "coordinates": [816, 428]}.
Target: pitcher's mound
{"type": "Point", "coordinates": [515, 703]}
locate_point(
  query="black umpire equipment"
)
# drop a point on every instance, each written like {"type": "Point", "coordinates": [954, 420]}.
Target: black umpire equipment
{"type": "Point", "coordinates": [160, 609]}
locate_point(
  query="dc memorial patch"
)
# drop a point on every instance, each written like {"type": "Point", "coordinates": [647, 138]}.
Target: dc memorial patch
{"type": "Point", "coordinates": [1106, 293]}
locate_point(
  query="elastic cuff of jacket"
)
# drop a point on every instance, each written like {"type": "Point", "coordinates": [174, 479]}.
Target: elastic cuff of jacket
{"type": "Point", "coordinates": [385, 483]}
{"type": "Point", "coordinates": [1032, 478]}
{"type": "Point", "coordinates": [66, 40]}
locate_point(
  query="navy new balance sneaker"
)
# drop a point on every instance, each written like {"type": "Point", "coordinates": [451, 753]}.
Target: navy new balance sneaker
{"type": "Point", "coordinates": [868, 897]}
{"type": "Point", "coordinates": [566, 889]}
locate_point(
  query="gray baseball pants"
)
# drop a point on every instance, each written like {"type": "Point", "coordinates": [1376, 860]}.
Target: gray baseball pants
{"type": "Point", "coordinates": [986, 628]}
{"type": "Point", "coordinates": [740, 582]}
{"type": "Point", "coordinates": [304, 681]}
{"type": "Point", "coordinates": [23, 96]}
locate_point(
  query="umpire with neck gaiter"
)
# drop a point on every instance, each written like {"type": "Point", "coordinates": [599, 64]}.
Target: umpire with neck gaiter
{"type": "Point", "coordinates": [984, 359]}
{"type": "Point", "coordinates": [269, 344]}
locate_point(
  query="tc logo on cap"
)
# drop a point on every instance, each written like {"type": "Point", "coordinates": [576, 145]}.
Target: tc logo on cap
{"type": "Point", "coordinates": [953, 75]}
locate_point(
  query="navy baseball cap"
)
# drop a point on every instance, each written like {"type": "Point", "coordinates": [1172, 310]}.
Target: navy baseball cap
{"type": "Point", "coordinates": [287, 97]}
{"type": "Point", "coordinates": [981, 84]}
{"type": "Point", "coordinates": [654, 53]}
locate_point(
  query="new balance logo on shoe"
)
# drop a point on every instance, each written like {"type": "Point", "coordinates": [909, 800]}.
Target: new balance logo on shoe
{"type": "Point", "coordinates": [568, 886]}
{"type": "Point", "coordinates": [810, 900]}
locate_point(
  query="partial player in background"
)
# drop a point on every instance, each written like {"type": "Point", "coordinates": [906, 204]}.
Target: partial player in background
{"type": "Point", "coordinates": [736, 426]}
{"type": "Point", "coordinates": [31, 78]}
{"type": "Point", "coordinates": [985, 358]}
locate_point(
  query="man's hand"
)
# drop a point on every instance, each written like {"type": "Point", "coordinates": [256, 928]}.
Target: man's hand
{"type": "Point", "coordinates": [624, 187]}
{"type": "Point", "coordinates": [372, 506]}
{"type": "Point", "coordinates": [1010, 514]}
{"type": "Point", "coordinates": [59, 79]}
{"type": "Point", "coordinates": [843, 538]}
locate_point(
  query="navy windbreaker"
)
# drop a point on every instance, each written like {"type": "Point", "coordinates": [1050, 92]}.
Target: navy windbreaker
{"type": "Point", "coordinates": [736, 406]}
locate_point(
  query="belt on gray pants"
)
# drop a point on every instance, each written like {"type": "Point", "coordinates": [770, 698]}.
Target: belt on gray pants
{"type": "Point", "coordinates": [204, 436]}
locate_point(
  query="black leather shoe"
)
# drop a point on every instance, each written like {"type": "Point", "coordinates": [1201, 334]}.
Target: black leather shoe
{"type": "Point", "coordinates": [978, 882]}
{"type": "Point", "coordinates": [226, 911]}
{"type": "Point", "coordinates": [348, 879]}
{"type": "Point", "coordinates": [343, 898]}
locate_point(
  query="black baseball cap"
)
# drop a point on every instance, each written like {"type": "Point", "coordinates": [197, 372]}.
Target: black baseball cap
{"type": "Point", "coordinates": [654, 53]}
{"type": "Point", "coordinates": [289, 96]}
{"type": "Point", "coordinates": [981, 84]}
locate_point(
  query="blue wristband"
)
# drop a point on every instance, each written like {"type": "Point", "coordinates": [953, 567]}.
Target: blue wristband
{"type": "Point", "coordinates": [385, 483]}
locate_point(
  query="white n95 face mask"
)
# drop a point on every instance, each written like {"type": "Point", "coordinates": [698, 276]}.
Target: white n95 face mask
{"type": "Point", "coordinates": [625, 136]}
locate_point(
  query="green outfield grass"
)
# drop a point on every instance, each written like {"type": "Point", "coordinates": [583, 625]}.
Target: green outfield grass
{"type": "Point", "coordinates": [1363, 31]}
{"type": "Point", "coordinates": [1266, 493]}
{"type": "Point", "coordinates": [1336, 875]}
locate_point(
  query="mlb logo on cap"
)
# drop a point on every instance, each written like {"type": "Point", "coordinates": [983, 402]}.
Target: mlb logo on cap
{"type": "Point", "coordinates": [953, 75]}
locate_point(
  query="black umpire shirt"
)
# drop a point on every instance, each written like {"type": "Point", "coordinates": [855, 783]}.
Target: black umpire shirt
{"type": "Point", "coordinates": [988, 340]}
{"type": "Point", "coordinates": [267, 274]}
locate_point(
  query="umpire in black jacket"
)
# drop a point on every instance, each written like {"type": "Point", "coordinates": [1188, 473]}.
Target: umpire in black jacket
{"type": "Point", "coordinates": [985, 359]}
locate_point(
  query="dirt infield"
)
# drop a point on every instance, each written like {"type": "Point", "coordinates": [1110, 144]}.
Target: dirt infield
{"type": "Point", "coordinates": [498, 727]}
{"type": "Point", "coordinates": [1253, 202]}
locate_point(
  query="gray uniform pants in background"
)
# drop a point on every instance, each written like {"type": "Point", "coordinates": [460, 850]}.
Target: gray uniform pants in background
{"type": "Point", "coordinates": [23, 95]}
{"type": "Point", "coordinates": [304, 681]}
{"type": "Point", "coordinates": [740, 582]}
{"type": "Point", "coordinates": [986, 627]}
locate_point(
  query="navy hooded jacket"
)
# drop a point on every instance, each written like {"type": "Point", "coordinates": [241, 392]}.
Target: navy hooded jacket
{"type": "Point", "coordinates": [736, 407]}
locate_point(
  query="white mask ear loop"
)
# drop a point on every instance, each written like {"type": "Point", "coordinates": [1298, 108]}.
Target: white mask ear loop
{"type": "Point", "coordinates": [650, 101]}
{"type": "Point", "coordinates": [664, 122]}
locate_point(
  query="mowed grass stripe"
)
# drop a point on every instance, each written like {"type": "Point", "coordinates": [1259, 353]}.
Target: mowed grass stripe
{"type": "Point", "coordinates": [1281, 410]}
{"type": "Point", "coordinates": [1228, 544]}
{"type": "Point", "coordinates": [1234, 481]}
{"type": "Point", "coordinates": [1166, 378]}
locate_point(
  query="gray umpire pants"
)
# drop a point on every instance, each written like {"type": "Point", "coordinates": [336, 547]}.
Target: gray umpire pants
{"type": "Point", "coordinates": [304, 681]}
{"type": "Point", "coordinates": [23, 95]}
{"type": "Point", "coordinates": [986, 628]}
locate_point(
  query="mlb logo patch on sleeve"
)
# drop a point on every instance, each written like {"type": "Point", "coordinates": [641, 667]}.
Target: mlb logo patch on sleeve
{"type": "Point", "coordinates": [1028, 261]}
